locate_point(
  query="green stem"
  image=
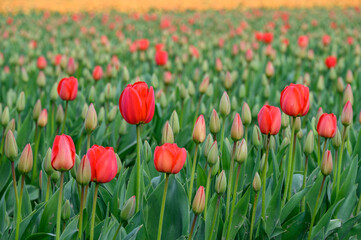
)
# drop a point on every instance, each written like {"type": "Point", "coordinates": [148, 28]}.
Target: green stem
{"type": "Point", "coordinates": [66, 112]}
{"type": "Point", "coordinates": [304, 183]}
{"type": "Point", "coordinates": [222, 140]}
{"type": "Point", "coordinates": [36, 150]}
{"type": "Point", "coordinates": [137, 195]}
{"type": "Point", "coordinates": [264, 175]}
{"type": "Point", "coordinates": [246, 133]}
{"type": "Point", "coordinates": [93, 211]}
{"type": "Point", "coordinates": [315, 209]}
{"type": "Point", "coordinates": [19, 121]}
{"type": "Point", "coordinates": [340, 160]}
{"type": "Point", "coordinates": [233, 201]}
{"type": "Point", "coordinates": [230, 180]}
{"type": "Point", "coordinates": [81, 213]}
{"type": "Point", "coordinates": [292, 166]}
{"type": "Point", "coordinates": [88, 142]}
{"type": "Point", "coordinates": [289, 163]}
{"type": "Point", "coordinates": [14, 183]}
{"type": "Point", "coordinates": [116, 232]}
{"type": "Point", "coordinates": [335, 170]}
{"type": "Point", "coordinates": [358, 206]}
{"type": "Point", "coordinates": [319, 151]}
{"type": "Point", "coordinates": [60, 201]}
{"type": "Point", "coordinates": [192, 228]}
{"type": "Point", "coordinates": [52, 118]}
{"type": "Point", "coordinates": [48, 189]}
{"type": "Point", "coordinates": [214, 218]}
{"type": "Point", "coordinates": [324, 148]}
{"type": "Point", "coordinates": [18, 215]}
{"type": "Point", "coordinates": [192, 175]}
{"type": "Point", "coordinates": [253, 215]}
{"type": "Point", "coordinates": [163, 206]}
{"type": "Point", "coordinates": [207, 191]}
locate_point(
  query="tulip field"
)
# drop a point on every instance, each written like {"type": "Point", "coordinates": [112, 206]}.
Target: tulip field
{"type": "Point", "coordinates": [234, 124]}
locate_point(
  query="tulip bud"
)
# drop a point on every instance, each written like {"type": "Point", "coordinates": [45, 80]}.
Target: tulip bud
{"type": "Point", "coordinates": [221, 183]}
{"type": "Point", "coordinates": [347, 114]}
{"type": "Point", "coordinates": [336, 140]}
{"type": "Point", "coordinates": [297, 124]}
{"type": "Point", "coordinates": [59, 117]}
{"type": "Point", "coordinates": [174, 122]}
{"type": "Point", "coordinates": [264, 162]}
{"type": "Point", "coordinates": [128, 209]}
{"type": "Point", "coordinates": [84, 111]}
{"type": "Point", "coordinates": [270, 70]}
{"type": "Point", "coordinates": [285, 143]}
{"type": "Point", "coordinates": [242, 92]}
{"type": "Point", "coordinates": [326, 166]}
{"type": "Point", "coordinates": [112, 114]}
{"type": "Point", "coordinates": [26, 160]}
{"type": "Point", "coordinates": [41, 80]}
{"type": "Point", "coordinates": [214, 123]}
{"type": "Point", "coordinates": [319, 113]}
{"type": "Point", "coordinates": [83, 175]}
{"type": "Point", "coordinates": [167, 134]}
{"type": "Point", "coordinates": [207, 145]}
{"type": "Point", "coordinates": [241, 151]}
{"type": "Point", "coordinates": [255, 110]}
{"type": "Point", "coordinates": [43, 118]}
{"type": "Point", "coordinates": [347, 95]}
{"type": "Point", "coordinates": [91, 120]}
{"type": "Point", "coordinates": [256, 136]}
{"type": "Point", "coordinates": [213, 154]}
{"type": "Point", "coordinates": [257, 184]}
{"type": "Point", "coordinates": [20, 103]}
{"type": "Point", "coordinates": [75, 168]}
{"type": "Point", "coordinates": [54, 92]}
{"type": "Point", "coordinates": [122, 127]}
{"type": "Point", "coordinates": [215, 168]}
{"type": "Point", "coordinates": [101, 115]}
{"type": "Point", "coordinates": [199, 201]}
{"type": "Point", "coordinates": [349, 77]}
{"type": "Point", "coordinates": [119, 163]}
{"type": "Point", "coordinates": [309, 143]}
{"type": "Point", "coordinates": [204, 85]}
{"type": "Point", "coordinates": [340, 85]}
{"type": "Point", "coordinates": [10, 126]}
{"type": "Point", "coordinates": [228, 82]}
{"type": "Point", "coordinates": [246, 114]}
{"type": "Point", "coordinates": [11, 148]}
{"type": "Point", "coordinates": [225, 105]}
{"type": "Point", "coordinates": [5, 117]}
{"type": "Point", "coordinates": [320, 84]}
{"type": "Point", "coordinates": [65, 212]}
{"type": "Point", "coordinates": [199, 130]}
{"type": "Point", "coordinates": [147, 151]}
{"type": "Point", "coordinates": [284, 120]}
{"type": "Point", "coordinates": [237, 128]}
{"type": "Point", "coordinates": [125, 74]}
{"type": "Point", "coordinates": [191, 88]}
{"type": "Point", "coordinates": [47, 163]}
{"type": "Point", "coordinates": [37, 110]}
{"type": "Point", "coordinates": [92, 94]}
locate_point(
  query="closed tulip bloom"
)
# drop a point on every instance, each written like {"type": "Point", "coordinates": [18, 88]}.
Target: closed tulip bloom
{"type": "Point", "coordinates": [326, 40]}
{"type": "Point", "coordinates": [309, 143]}
{"type": "Point", "coordinates": [128, 209]}
{"type": "Point", "coordinates": [63, 153]}
{"type": "Point", "coordinates": [136, 103]}
{"type": "Point", "coordinates": [303, 41]}
{"type": "Point", "coordinates": [204, 85]}
{"type": "Point", "coordinates": [41, 63]}
{"type": "Point", "coordinates": [327, 125]}
{"type": "Point", "coordinates": [237, 128]}
{"type": "Point", "coordinates": [294, 100]}
{"type": "Point", "coordinates": [269, 120]}
{"type": "Point", "coordinates": [246, 114]}
{"type": "Point", "coordinates": [214, 123]}
{"type": "Point", "coordinates": [143, 44]}
{"type": "Point", "coordinates": [97, 73]}
{"type": "Point", "coordinates": [359, 118]}
{"type": "Point", "coordinates": [347, 94]}
{"type": "Point", "coordinates": [327, 166]}
{"type": "Point", "coordinates": [71, 67]}
{"type": "Point", "coordinates": [83, 175]}
{"type": "Point", "coordinates": [267, 37]}
{"type": "Point", "coordinates": [330, 62]}
{"type": "Point", "coordinates": [11, 148]}
{"type": "Point", "coordinates": [68, 88]}
{"type": "Point", "coordinates": [225, 105]}
{"type": "Point", "coordinates": [256, 184]}
{"type": "Point", "coordinates": [91, 119]}
{"type": "Point", "coordinates": [199, 130]}
{"type": "Point", "coordinates": [43, 118]}
{"type": "Point", "coordinates": [199, 201]}
{"type": "Point", "coordinates": [103, 163]}
{"type": "Point", "coordinates": [161, 58]}
{"type": "Point", "coordinates": [347, 114]}
{"type": "Point", "coordinates": [270, 70]}
{"type": "Point", "coordinates": [169, 158]}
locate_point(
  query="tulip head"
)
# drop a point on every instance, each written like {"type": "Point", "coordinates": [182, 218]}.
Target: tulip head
{"type": "Point", "coordinates": [237, 128]}
{"type": "Point", "coordinates": [347, 114]}
{"type": "Point", "coordinates": [241, 152]}
{"type": "Point", "coordinates": [11, 148]}
{"type": "Point", "coordinates": [199, 201]}
{"type": "Point", "coordinates": [83, 175]}
{"type": "Point", "coordinates": [37, 110]}
{"type": "Point", "coordinates": [65, 212]}
{"type": "Point", "coordinates": [246, 114]}
{"type": "Point", "coordinates": [221, 183]}
{"type": "Point", "coordinates": [199, 130]}
{"type": "Point", "coordinates": [47, 163]}
{"type": "Point", "coordinates": [256, 136]}
{"type": "Point", "coordinates": [91, 120]}
{"type": "Point", "coordinates": [336, 140]}
{"type": "Point", "coordinates": [225, 105]}
{"type": "Point", "coordinates": [169, 158]}
{"type": "Point", "coordinates": [26, 160]}
{"type": "Point", "coordinates": [167, 134]}
{"type": "Point", "coordinates": [214, 123]}
{"type": "Point", "coordinates": [174, 122]}
{"type": "Point", "coordinates": [256, 184]}
{"type": "Point", "coordinates": [43, 118]}
{"type": "Point", "coordinates": [128, 209]}
{"type": "Point", "coordinates": [309, 143]}
{"type": "Point", "coordinates": [213, 154]}
{"type": "Point", "coordinates": [326, 166]}
{"type": "Point", "coordinates": [63, 153]}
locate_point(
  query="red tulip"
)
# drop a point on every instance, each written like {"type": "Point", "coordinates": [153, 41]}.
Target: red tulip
{"type": "Point", "coordinates": [194, 51]}
{"type": "Point", "coordinates": [97, 73]}
{"type": "Point", "coordinates": [41, 64]}
{"type": "Point", "coordinates": [349, 40]}
{"type": "Point", "coordinates": [295, 100]}
{"type": "Point", "coordinates": [326, 40]}
{"type": "Point", "coordinates": [327, 125]}
{"type": "Point", "coordinates": [103, 163]}
{"type": "Point", "coordinates": [71, 67]}
{"type": "Point", "coordinates": [161, 58]}
{"type": "Point", "coordinates": [269, 120]}
{"type": "Point", "coordinates": [143, 44]}
{"type": "Point", "coordinates": [136, 103]}
{"type": "Point", "coordinates": [159, 46]}
{"type": "Point", "coordinates": [68, 88]}
{"type": "Point", "coordinates": [331, 61]}
{"type": "Point", "coordinates": [303, 41]}
{"type": "Point", "coordinates": [57, 59]}
{"type": "Point", "coordinates": [267, 37]}
{"type": "Point", "coordinates": [169, 158]}
{"type": "Point", "coordinates": [258, 36]}
{"type": "Point", "coordinates": [63, 153]}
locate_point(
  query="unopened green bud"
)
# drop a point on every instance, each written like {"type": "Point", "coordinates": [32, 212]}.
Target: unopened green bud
{"type": "Point", "coordinates": [84, 111]}
{"type": "Point", "coordinates": [55, 176]}
{"type": "Point", "coordinates": [92, 94]}
{"type": "Point", "coordinates": [75, 168]}
{"type": "Point", "coordinates": [128, 209]}
{"type": "Point", "coordinates": [43, 118]}
{"type": "Point", "coordinates": [207, 145]}
{"type": "Point", "coordinates": [26, 160]}
{"type": "Point", "coordinates": [255, 110]}
{"type": "Point", "coordinates": [47, 163]}
{"type": "Point", "coordinates": [54, 92]}
{"type": "Point", "coordinates": [242, 91]}
{"type": "Point", "coordinates": [210, 90]}
{"type": "Point", "coordinates": [257, 184]}
{"type": "Point", "coordinates": [215, 168]}
{"type": "Point", "coordinates": [101, 115]}
{"type": "Point", "coordinates": [65, 212]}
{"type": "Point", "coordinates": [162, 99]}
{"type": "Point", "coordinates": [10, 126]}
{"type": "Point", "coordinates": [174, 122]}
{"type": "Point", "coordinates": [167, 134]}
{"type": "Point", "coordinates": [83, 174]}
{"type": "Point", "coordinates": [299, 134]}
{"type": "Point", "coordinates": [285, 142]}
{"type": "Point", "coordinates": [336, 140]}
{"type": "Point", "coordinates": [237, 128]}
{"type": "Point", "coordinates": [37, 110]}
{"type": "Point", "coordinates": [349, 77]}
{"type": "Point", "coordinates": [147, 151]}
{"type": "Point", "coordinates": [340, 85]}
{"type": "Point", "coordinates": [20, 103]}
{"type": "Point", "coordinates": [213, 154]}
{"type": "Point", "coordinates": [214, 123]}
{"type": "Point", "coordinates": [327, 166]}
{"type": "Point", "coordinates": [199, 201]}
{"type": "Point", "coordinates": [227, 82]}
{"type": "Point", "coordinates": [320, 84]}
{"type": "Point", "coordinates": [91, 119]}
{"type": "Point", "coordinates": [256, 136]}
{"type": "Point", "coordinates": [126, 74]}
{"type": "Point", "coordinates": [119, 163]}
{"type": "Point", "coordinates": [221, 183]}
{"type": "Point", "coordinates": [246, 114]}
{"type": "Point", "coordinates": [309, 143]}
{"type": "Point", "coordinates": [348, 95]}
{"type": "Point", "coordinates": [297, 124]}
{"type": "Point", "coordinates": [234, 103]}
{"type": "Point", "coordinates": [5, 117]}
{"type": "Point", "coordinates": [225, 105]}
{"type": "Point", "coordinates": [59, 117]}
{"type": "Point", "coordinates": [241, 151]}
{"type": "Point", "coordinates": [264, 162]}
{"type": "Point", "coordinates": [41, 80]}
{"type": "Point", "coordinates": [11, 148]}
{"type": "Point", "coordinates": [122, 127]}
{"type": "Point", "coordinates": [285, 120]}
{"type": "Point", "coordinates": [112, 114]}
{"type": "Point", "coordinates": [191, 88]}
{"type": "Point", "coordinates": [154, 80]}
{"type": "Point", "coordinates": [333, 74]}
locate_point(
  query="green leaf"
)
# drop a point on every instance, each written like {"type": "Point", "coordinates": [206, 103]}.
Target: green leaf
{"type": "Point", "coordinates": [210, 215]}
{"type": "Point", "coordinates": [39, 236]}
{"type": "Point", "coordinates": [292, 203]}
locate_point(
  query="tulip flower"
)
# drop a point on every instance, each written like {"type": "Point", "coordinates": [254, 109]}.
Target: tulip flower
{"type": "Point", "coordinates": [161, 58]}
{"type": "Point", "coordinates": [143, 44]}
{"type": "Point", "coordinates": [303, 41]}
{"type": "Point", "coordinates": [269, 120]}
{"type": "Point", "coordinates": [294, 100]}
{"type": "Point", "coordinates": [327, 125]}
{"type": "Point", "coordinates": [97, 73]}
{"type": "Point", "coordinates": [41, 63]}
{"type": "Point", "coordinates": [169, 159]}
{"type": "Point", "coordinates": [330, 62]}
{"type": "Point", "coordinates": [267, 37]}
{"type": "Point", "coordinates": [197, 207]}
{"type": "Point", "coordinates": [326, 40]}
{"type": "Point", "coordinates": [347, 114]}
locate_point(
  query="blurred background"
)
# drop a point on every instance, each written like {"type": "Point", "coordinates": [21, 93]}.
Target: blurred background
{"type": "Point", "coordinates": [179, 5]}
